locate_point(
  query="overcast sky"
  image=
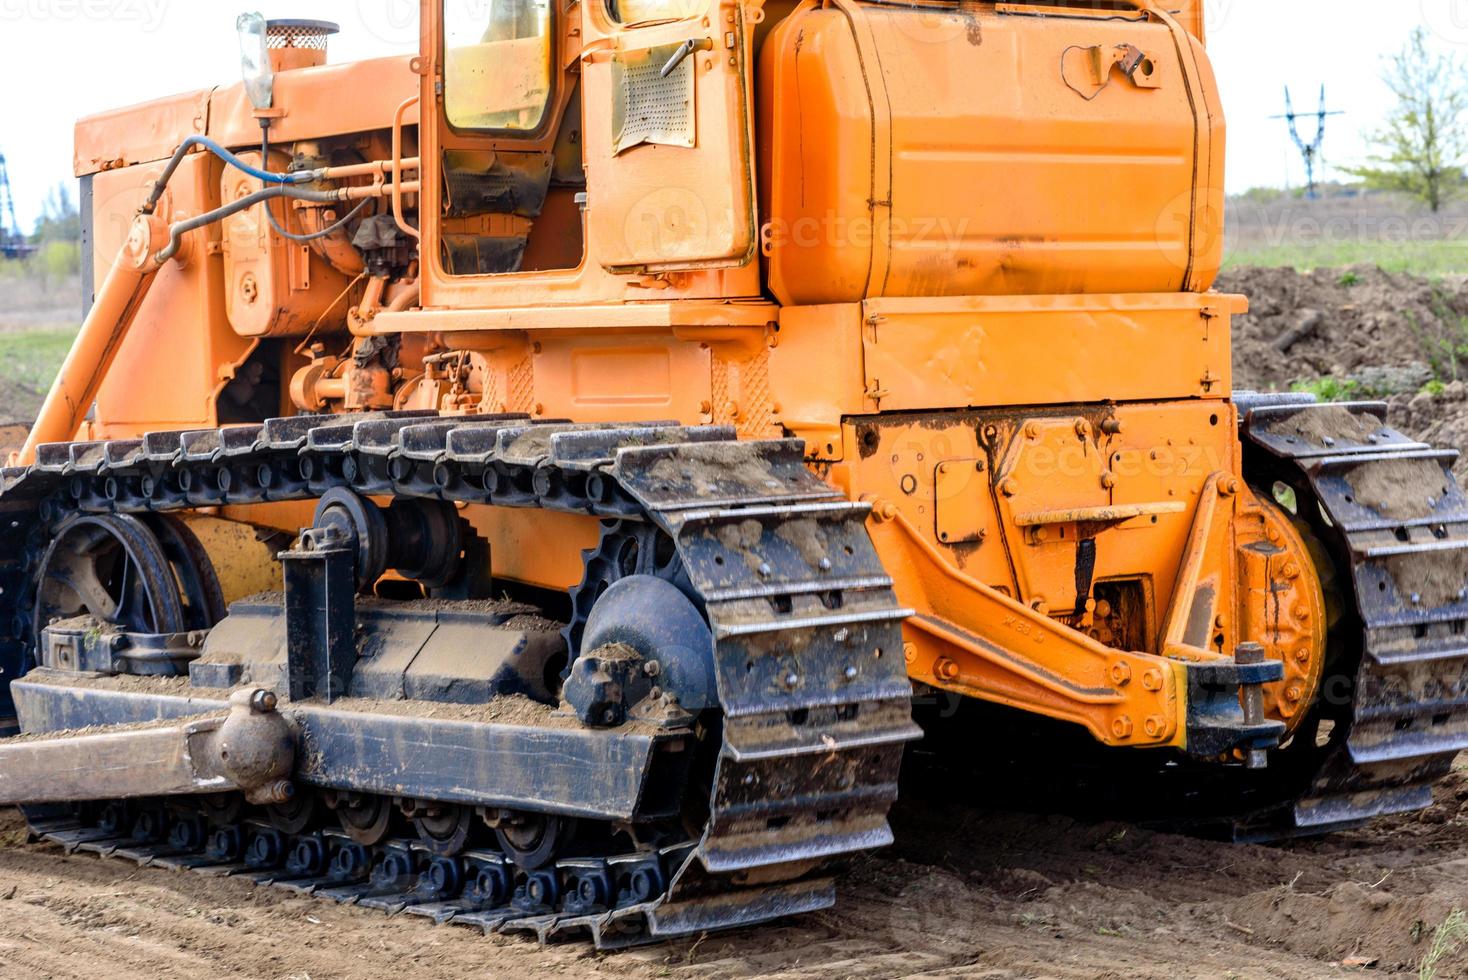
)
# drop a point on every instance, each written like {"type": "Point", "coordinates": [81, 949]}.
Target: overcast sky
{"type": "Point", "coordinates": [61, 59]}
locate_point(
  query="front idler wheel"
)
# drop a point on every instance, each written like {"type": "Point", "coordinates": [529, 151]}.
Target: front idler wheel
{"type": "Point", "coordinates": [647, 652]}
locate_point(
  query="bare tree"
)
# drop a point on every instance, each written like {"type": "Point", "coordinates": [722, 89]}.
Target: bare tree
{"type": "Point", "coordinates": [1420, 150]}
{"type": "Point", "coordinates": [59, 218]}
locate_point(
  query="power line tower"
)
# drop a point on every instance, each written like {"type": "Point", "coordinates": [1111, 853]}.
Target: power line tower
{"type": "Point", "coordinates": [12, 243]}
{"type": "Point", "coordinates": [1309, 150]}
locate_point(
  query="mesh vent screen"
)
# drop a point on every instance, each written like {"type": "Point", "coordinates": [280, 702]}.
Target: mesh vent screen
{"type": "Point", "coordinates": [651, 108]}
{"type": "Point", "coordinates": [309, 36]}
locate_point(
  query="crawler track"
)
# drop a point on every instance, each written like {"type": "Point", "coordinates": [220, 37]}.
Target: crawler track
{"type": "Point", "coordinates": [813, 693]}
{"type": "Point", "coordinates": [1394, 709]}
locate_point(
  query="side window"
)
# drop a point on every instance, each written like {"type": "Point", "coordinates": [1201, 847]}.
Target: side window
{"type": "Point", "coordinates": [653, 11]}
{"type": "Point", "coordinates": [497, 64]}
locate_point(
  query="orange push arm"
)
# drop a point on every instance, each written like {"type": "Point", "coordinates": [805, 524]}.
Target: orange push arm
{"type": "Point", "coordinates": [101, 336]}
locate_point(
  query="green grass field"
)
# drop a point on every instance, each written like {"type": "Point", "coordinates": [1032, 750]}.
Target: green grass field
{"type": "Point", "coordinates": [1433, 259]}
{"type": "Point", "coordinates": [31, 357]}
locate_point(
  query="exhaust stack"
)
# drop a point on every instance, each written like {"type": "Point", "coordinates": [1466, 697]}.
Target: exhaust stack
{"type": "Point", "coordinates": [298, 43]}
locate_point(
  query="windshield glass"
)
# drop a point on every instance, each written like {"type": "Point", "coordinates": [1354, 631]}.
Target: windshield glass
{"type": "Point", "coordinates": [497, 64]}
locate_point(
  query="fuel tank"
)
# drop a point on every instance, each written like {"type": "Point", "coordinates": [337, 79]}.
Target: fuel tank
{"type": "Point", "coordinates": [986, 149]}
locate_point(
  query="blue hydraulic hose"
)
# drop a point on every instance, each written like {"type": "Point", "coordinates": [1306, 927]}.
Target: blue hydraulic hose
{"type": "Point", "coordinates": [302, 177]}
{"type": "Point", "coordinates": [266, 176]}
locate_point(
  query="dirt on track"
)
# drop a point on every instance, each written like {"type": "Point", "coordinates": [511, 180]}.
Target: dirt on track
{"type": "Point", "coordinates": [965, 893]}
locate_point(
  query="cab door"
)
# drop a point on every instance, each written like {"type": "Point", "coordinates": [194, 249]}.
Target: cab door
{"type": "Point", "coordinates": [669, 167]}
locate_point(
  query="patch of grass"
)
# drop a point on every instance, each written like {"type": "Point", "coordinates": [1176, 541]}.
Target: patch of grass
{"type": "Point", "coordinates": [31, 358]}
{"type": "Point", "coordinates": [1434, 388]}
{"type": "Point", "coordinates": [1426, 258]}
{"type": "Point", "coordinates": [1449, 938]}
{"type": "Point", "coordinates": [1348, 280]}
{"type": "Point", "coordinates": [1447, 350]}
{"type": "Point", "coordinates": [1328, 389]}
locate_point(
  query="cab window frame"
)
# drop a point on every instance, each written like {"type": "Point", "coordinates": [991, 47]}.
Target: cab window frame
{"type": "Point", "coordinates": [609, 10]}
{"type": "Point", "coordinates": [548, 114]}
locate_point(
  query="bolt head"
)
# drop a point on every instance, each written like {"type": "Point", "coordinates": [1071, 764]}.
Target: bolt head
{"type": "Point", "coordinates": [1121, 726]}
{"type": "Point", "coordinates": [765, 570]}
{"type": "Point", "coordinates": [1152, 680]}
{"type": "Point", "coordinates": [825, 564]}
{"type": "Point", "coordinates": [849, 673]}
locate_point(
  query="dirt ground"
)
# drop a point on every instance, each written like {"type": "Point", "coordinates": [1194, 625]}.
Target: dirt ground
{"type": "Point", "coordinates": [966, 892]}
{"type": "Point", "coordinates": [1360, 334]}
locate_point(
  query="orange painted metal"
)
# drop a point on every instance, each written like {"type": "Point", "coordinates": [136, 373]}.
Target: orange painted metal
{"type": "Point", "coordinates": [1280, 604]}
{"type": "Point", "coordinates": [965, 251]}
{"type": "Point", "coordinates": [180, 330]}
{"type": "Point", "coordinates": [922, 179]}
{"type": "Point", "coordinates": [123, 290]}
{"type": "Point", "coordinates": [663, 206]}
{"type": "Point", "coordinates": [972, 639]}
{"type": "Point", "coordinates": [272, 288]}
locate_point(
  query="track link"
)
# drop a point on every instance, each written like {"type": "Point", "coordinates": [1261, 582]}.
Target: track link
{"type": "Point", "coordinates": [1397, 523]}
{"type": "Point", "coordinates": [812, 685]}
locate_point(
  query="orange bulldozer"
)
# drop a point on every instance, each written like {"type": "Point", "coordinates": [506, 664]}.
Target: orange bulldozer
{"type": "Point", "coordinates": [525, 482]}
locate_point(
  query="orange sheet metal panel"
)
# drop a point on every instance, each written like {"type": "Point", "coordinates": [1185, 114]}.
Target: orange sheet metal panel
{"type": "Point", "coordinates": [607, 377]}
{"type": "Point", "coordinates": [331, 100]}
{"type": "Point", "coordinates": [663, 202]}
{"type": "Point", "coordinates": [929, 151]}
{"type": "Point", "coordinates": [1192, 15]}
{"type": "Point", "coordinates": [140, 133]}
{"type": "Point", "coordinates": [180, 349]}
{"type": "Point", "coordinates": [325, 101]}
{"type": "Point", "coordinates": [932, 353]}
